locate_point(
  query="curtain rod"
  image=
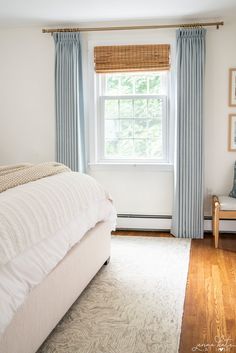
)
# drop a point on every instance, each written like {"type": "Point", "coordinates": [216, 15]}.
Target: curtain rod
{"type": "Point", "coordinates": [98, 29]}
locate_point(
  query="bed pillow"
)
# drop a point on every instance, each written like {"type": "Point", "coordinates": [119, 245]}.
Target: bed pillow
{"type": "Point", "coordinates": [233, 191]}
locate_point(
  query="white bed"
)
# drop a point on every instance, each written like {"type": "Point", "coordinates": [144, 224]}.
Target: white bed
{"type": "Point", "coordinates": [56, 268]}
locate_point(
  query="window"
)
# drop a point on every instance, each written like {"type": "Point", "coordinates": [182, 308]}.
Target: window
{"type": "Point", "coordinates": [132, 116]}
{"type": "Point", "coordinates": [132, 103]}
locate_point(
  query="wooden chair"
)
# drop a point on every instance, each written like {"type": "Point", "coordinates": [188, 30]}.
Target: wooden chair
{"type": "Point", "coordinates": [223, 207]}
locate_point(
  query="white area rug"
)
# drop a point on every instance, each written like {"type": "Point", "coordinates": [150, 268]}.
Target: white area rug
{"type": "Point", "coordinates": [133, 305]}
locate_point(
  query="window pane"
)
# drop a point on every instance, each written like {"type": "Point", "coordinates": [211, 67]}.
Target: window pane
{"type": "Point", "coordinates": [154, 128]}
{"type": "Point", "coordinates": [155, 107]}
{"type": "Point", "coordinates": [140, 148]}
{"type": "Point", "coordinates": [111, 109]}
{"type": "Point", "coordinates": [126, 108]}
{"type": "Point", "coordinates": [154, 148]}
{"type": "Point", "coordinates": [126, 128]}
{"type": "Point", "coordinates": [111, 148]}
{"type": "Point", "coordinates": [112, 84]}
{"type": "Point", "coordinates": [125, 148]}
{"type": "Point", "coordinates": [111, 128]}
{"type": "Point", "coordinates": [140, 128]}
{"type": "Point", "coordinates": [126, 85]}
{"type": "Point", "coordinates": [155, 85]}
{"type": "Point", "coordinates": [141, 85]}
{"type": "Point", "coordinates": [140, 108]}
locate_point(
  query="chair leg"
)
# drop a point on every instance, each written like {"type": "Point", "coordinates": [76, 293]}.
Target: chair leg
{"type": "Point", "coordinates": [217, 227]}
{"type": "Point", "coordinates": [215, 220]}
{"type": "Point", "coordinates": [213, 217]}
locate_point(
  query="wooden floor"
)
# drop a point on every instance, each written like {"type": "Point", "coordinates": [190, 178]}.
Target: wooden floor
{"type": "Point", "coordinates": [132, 233]}
{"type": "Point", "coordinates": [210, 302]}
{"type": "Point", "coordinates": [209, 320]}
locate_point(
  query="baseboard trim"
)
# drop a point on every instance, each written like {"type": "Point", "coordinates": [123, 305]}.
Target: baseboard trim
{"type": "Point", "coordinates": [150, 216]}
{"type": "Point", "coordinates": [143, 230]}
{"type": "Point", "coordinates": [153, 216]}
{"type": "Point", "coordinates": [162, 223]}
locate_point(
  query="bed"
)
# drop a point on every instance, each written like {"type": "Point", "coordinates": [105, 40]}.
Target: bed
{"type": "Point", "coordinates": [62, 224]}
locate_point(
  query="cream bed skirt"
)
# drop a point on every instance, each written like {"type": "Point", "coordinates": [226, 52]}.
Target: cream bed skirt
{"type": "Point", "coordinates": [50, 300]}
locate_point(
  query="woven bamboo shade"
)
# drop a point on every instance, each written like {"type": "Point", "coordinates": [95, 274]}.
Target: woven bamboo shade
{"type": "Point", "coordinates": [124, 58]}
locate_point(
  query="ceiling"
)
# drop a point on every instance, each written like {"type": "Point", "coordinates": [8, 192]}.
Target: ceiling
{"type": "Point", "coordinates": [52, 12]}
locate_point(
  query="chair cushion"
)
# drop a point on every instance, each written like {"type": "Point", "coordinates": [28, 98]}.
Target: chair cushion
{"type": "Point", "coordinates": [227, 203]}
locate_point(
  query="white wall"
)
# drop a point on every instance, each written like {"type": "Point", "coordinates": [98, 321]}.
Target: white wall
{"type": "Point", "coordinates": [26, 96]}
{"type": "Point", "coordinates": [221, 55]}
{"type": "Point", "coordinates": [136, 190]}
{"type": "Point", "coordinates": [27, 118]}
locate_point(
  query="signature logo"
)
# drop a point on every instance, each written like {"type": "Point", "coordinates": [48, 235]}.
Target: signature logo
{"type": "Point", "coordinates": [221, 344]}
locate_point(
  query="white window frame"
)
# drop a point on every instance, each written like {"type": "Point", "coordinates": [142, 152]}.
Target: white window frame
{"type": "Point", "coordinates": [100, 99]}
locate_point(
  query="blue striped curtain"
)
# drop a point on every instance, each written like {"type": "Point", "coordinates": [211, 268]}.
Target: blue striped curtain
{"type": "Point", "coordinates": [70, 138]}
{"type": "Point", "coordinates": [188, 218]}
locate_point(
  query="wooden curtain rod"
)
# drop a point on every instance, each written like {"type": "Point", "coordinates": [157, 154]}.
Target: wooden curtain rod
{"type": "Point", "coordinates": [98, 29]}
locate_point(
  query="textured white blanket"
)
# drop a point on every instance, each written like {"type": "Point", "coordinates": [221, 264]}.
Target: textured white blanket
{"type": "Point", "coordinates": [12, 176]}
{"type": "Point", "coordinates": [38, 210]}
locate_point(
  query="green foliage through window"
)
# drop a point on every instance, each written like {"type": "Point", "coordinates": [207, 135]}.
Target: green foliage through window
{"type": "Point", "coordinates": [134, 114]}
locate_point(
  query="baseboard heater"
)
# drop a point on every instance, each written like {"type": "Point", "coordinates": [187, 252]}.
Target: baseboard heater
{"type": "Point", "coordinates": [162, 223]}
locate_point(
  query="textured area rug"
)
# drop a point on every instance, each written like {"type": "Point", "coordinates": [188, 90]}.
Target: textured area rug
{"type": "Point", "coordinates": [133, 305]}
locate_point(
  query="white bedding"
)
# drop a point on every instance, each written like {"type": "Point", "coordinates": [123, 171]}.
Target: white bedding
{"type": "Point", "coordinates": [37, 210]}
{"type": "Point", "coordinates": [39, 223]}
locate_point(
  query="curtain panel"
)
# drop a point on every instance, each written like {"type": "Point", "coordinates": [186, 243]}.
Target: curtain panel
{"type": "Point", "coordinates": [70, 134]}
{"type": "Point", "coordinates": [188, 218]}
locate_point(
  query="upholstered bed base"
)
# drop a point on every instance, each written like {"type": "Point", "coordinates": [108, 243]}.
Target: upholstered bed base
{"type": "Point", "coordinates": [49, 301]}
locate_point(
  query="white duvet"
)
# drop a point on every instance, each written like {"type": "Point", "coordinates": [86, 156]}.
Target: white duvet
{"type": "Point", "coordinates": [39, 223]}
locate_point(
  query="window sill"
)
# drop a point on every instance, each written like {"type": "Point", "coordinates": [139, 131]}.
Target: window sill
{"type": "Point", "coordinates": [161, 167]}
